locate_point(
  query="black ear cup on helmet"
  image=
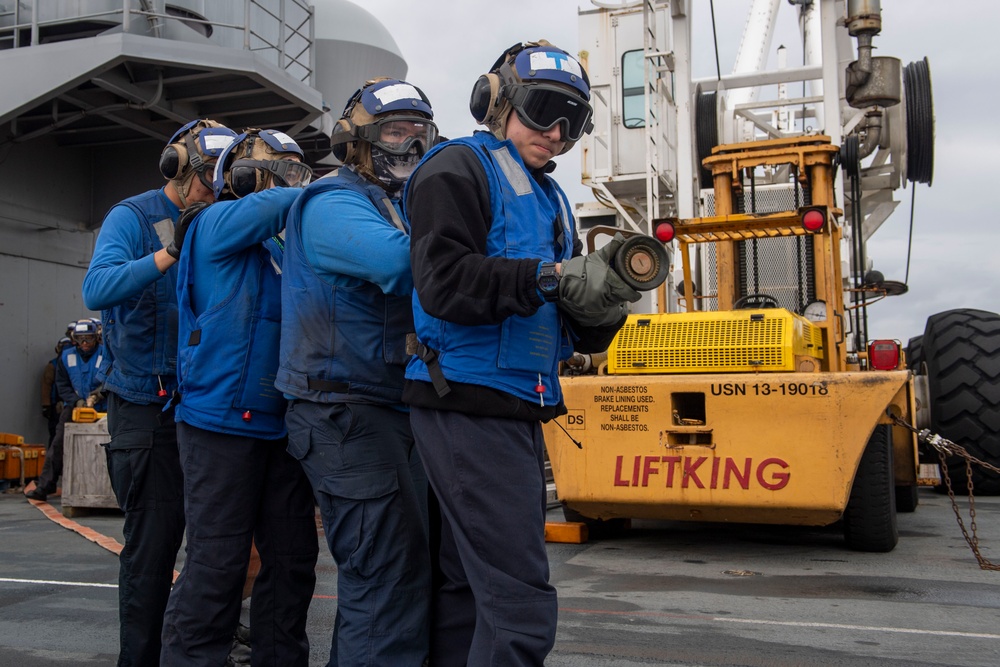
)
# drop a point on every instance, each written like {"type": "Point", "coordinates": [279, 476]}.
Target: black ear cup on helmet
{"type": "Point", "coordinates": [484, 97]}
{"type": "Point", "coordinates": [173, 161]}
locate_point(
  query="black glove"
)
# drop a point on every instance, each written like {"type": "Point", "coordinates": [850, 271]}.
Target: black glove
{"type": "Point", "coordinates": [47, 411]}
{"type": "Point", "coordinates": [591, 292]}
{"type": "Point", "coordinates": [80, 403]}
{"type": "Point", "coordinates": [181, 228]}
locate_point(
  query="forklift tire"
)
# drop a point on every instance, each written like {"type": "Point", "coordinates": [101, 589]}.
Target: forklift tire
{"type": "Point", "coordinates": [961, 349]}
{"type": "Point", "coordinates": [597, 528]}
{"type": "Point", "coordinates": [907, 498]}
{"type": "Point", "coordinates": [915, 353]}
{"type": "Point", "coordinates": [870, 517]}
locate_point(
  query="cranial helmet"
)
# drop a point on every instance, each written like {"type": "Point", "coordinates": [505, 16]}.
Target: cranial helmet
{"type": "Point", "coordinates": [84, 328]}
{"type": "Point", "coordinates": [392, 117]}
{"type": "Point", "coordinates": [543, 84]}
{"type": "Point", "coordinates": [192, 151]}
{"type": "Point", "coordinates": [63, 343]}
{"type": "Point", "coordinates": [257, 158]}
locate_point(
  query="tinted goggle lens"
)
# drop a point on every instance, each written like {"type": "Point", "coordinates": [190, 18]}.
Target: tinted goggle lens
{"type": "Point", "coordinates": [397, 136]}
{"type": "Point", "coordinates": [86, 338]}
{"type": "Point", "coordinates": [542, 108]}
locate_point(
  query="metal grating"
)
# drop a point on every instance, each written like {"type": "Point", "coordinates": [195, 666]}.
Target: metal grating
{"type": "Point", "coordinates": [713, 342]}
{"type": "Point", "coordinates": [781, 267]}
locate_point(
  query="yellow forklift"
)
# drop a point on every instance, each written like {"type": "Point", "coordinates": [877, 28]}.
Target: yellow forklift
{"type": "Point", "coordinates": [746, 387]}
{"type": "Point", "coordinates": [749, 405]}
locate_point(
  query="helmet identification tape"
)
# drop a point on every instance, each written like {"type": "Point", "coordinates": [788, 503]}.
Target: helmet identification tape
{"type": "Point", "coordinates": [396, 92]}
{"type": "Point", "coordinates": [215, 143]}
{"type": "Point", "coordinates": [553, 60]}
{"type": "Point", "coordinates": [283, 138]}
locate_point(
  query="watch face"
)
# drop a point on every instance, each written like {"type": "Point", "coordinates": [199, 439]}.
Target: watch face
{"type": "Point", "coordinates": [548, 279]}
{"type": "Point", "coordinates": [815, 311]}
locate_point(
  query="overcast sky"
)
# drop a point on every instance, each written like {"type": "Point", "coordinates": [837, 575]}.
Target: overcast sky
{"type": "Point", "coordinates": [955, 262]}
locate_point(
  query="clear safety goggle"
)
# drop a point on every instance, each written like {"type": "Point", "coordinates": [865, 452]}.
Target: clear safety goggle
{"type": "Point", "coordinates": [86, 338]}
{"type": "Point", "coordinates": [541, 107]}
{"type": "Point", "coordinates": [397, 135]}
{"type": "Point", "coordinates": [287, 173]}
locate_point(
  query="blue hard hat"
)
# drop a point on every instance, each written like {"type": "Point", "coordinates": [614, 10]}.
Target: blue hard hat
{"type": "Point", "coordinates": [391, 95]}
{"type": "Point", "coordinates": [85, 327]}
{"type": "Point", "coordinates": [550, 63]}
{"type": "Point", "coordinates": [254, 147]}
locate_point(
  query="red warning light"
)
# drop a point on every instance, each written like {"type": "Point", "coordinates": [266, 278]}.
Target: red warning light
{"type": "Point", "coordinates": [665, 232]}
{"type": "Point", "coordinates": [813, 219]}
{"type": "Point", "coordinates": [883, 355]}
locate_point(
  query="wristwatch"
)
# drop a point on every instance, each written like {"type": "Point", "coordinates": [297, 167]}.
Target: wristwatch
{"type": "Point", "coordinates": [548, 281]}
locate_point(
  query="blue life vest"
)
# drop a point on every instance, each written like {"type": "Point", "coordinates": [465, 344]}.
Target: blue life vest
{"type": "Point", "coordinates": [340, 345]}
{"type": "Point", "coordinates": [141, 334]}
{"type": "Point", "coordinates": [84, 374]}
{"type": "Point", "coordinates": [228, 355]}
{"type": "Point", "coordinates": [521, 354]}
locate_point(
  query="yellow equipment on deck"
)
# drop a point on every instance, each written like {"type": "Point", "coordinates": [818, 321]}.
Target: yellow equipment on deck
{"type": "Point", "coordinates": [719, 342]}
{"type": "Point", "coordinates": [87, 415]}
{"type": "Point", "coordinates": [751, 414]}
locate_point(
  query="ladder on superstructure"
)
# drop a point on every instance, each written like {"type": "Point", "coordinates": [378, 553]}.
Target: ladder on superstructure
{"type": "Point", "coordinates": [655, 63]}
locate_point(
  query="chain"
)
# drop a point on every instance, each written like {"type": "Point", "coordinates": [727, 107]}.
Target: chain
{"type": "Point", "coordinates": [945, 448]}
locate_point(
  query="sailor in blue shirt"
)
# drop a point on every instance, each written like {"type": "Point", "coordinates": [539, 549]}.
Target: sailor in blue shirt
{"type": "Point", "coordinates": [240, 484]}
{"type": "Point", "coordinates": [346, 315]}
{"type": "Point", "coordinates": [502, 294]}
{"type": "Point", "coordinates": [132, 278]}
{"type": "Point", "coordinates": [78, 375]}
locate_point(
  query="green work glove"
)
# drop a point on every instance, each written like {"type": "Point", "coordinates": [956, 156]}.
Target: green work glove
{"type": "Point", "coordinates": [591, 292]}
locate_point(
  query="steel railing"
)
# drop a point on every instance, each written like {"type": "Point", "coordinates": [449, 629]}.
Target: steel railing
{"type": "Point", "coordinates": [292, 21]}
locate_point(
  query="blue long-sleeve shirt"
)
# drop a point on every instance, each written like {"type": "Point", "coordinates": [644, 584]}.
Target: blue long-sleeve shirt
{"type": "Point", "coordinates": [227, 229]}
{"type": "Point", "coordinates": [347, 242]}
{"type": "Point", "coordinates": [230, 317]}
{"type": "Point", "coordinates": [121, 268]}
{"type": "Point", "coordinates": [138, 303]}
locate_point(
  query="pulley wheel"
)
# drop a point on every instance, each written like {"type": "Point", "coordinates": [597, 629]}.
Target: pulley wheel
{"type": "Point", "coordinates": [919, 122]}
{"type": "Point", "coordinates": [642, 263]}
{"type": "Point", "coordinates": [706, 132]}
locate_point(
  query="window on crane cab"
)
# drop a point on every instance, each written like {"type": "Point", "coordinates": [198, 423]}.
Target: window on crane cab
{"type": "Point", "coordinates": [633, 80]}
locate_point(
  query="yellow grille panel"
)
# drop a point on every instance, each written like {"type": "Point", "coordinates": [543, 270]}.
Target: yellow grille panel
{"type": "Point", "coordinates": [731, 341]}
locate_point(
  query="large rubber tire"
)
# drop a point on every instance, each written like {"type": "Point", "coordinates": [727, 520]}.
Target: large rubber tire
{"type": "Point", "coordinates": [597, 528]}
{"type": "Point", "coordinates": [870, 517]}
{"type": "Point", "coordinates": [915, 353]}
{"type": "Point", "coordinates": [907, 498]}
{"type": "Point", "coordinates": [962, 351]}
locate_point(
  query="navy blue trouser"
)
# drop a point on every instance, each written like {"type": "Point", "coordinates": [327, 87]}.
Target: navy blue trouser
{"type": "Point", "coordinates": [372, 494]}
{"type": "Point", "coordinates": [239, 490]}
{"type": "Point", "coordinates": [145, 473]}
{"type": "Point", "coordinates": [494, 605]}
